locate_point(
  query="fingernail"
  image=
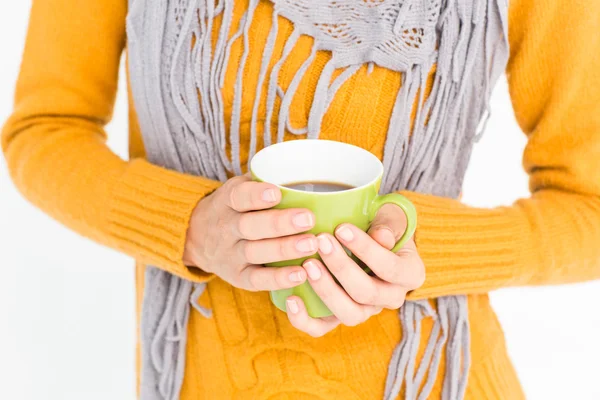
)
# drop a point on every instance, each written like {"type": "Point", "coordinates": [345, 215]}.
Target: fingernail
{"type": "Point", "coordinates": [387, 233]}
{"type": "Point", "coordinates": [269, 196]}
{"type": "Point", "coordinates": [297, 276]}
{"type": "Point", "coordinates": [292, 306]}
{"type": "Point", "coordinates": [325, 245]}
{"type": "Point", "coordinates": [345, 233]}
{"type": "Point", "coordinates": [303, 220]}
{"type": "Point", "coordinates": [307, 245]}
{"type": "Point", "coordinates": [313, 270]}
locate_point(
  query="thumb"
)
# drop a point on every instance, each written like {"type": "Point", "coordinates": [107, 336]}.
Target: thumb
{"type": "Point", "coordinates": [388, 226]}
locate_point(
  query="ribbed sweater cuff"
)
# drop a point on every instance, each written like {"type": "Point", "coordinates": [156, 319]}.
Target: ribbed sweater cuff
{"type": "Point", "coordinates": [467, 249]}
{"type": "Point", "coordinates": [150, 212]}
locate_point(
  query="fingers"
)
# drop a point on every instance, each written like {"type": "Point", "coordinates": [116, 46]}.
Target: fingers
{"type": "Point", "coordinates": [300, 319]}
{"type": "Point", "coordinates": [404, 268]}
{"type": "Point", "coordinates": [388, 226]}
{"type": "Point", "coordinates": [274, 223]}
{"type": "Point", "coordinates": [410, 259]}
{"type": "Point", "coordinates": [260, 278]}
{"type": "Point", "coordinates": [362, 288]}
{"type": "Point", "coordinates": [280, 249]}
{"type": "Point", "coordinates": [243, 195]}
{"type": "Point", "coordinates": [348, 311]}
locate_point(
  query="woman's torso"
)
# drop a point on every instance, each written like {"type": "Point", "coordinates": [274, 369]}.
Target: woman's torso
{"type": "Point", "coordinates": [248, 349]}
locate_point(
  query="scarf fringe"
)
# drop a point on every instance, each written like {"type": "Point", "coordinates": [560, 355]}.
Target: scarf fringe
{"type": "Point", "coordinates": [273, 89]}
{"type": "Point", "coordinates": [449, 332]}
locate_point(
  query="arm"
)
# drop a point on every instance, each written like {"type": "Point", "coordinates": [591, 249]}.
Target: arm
{"type": "Point", "coordinates": [553, 236]}
{"type": "Point", "coordinates": [55, 148]}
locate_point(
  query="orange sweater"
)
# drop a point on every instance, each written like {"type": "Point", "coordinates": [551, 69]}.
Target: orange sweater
{"type": "Point", "coordinates": [55, 148]}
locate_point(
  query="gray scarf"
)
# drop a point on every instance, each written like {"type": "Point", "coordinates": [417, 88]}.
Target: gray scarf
{"type": "Point", "coordinates": [177, 94]}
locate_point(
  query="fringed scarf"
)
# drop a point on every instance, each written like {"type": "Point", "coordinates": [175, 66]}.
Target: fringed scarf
{"type": "Point", "coordinates": [177, 94]}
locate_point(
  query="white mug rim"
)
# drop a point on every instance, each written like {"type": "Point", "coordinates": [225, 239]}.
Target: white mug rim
{"type": "Point", "coordinates": [267, 151]}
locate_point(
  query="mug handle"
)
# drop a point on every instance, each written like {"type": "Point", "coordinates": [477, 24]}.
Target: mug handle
{"type": "Point", "coordinates": [409, 210]}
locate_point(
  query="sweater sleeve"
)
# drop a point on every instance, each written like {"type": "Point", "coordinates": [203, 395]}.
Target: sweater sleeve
{"type": "Point", "coordinates": [54, 142]}
{"type": "Point", "coordinates": [553, 236]}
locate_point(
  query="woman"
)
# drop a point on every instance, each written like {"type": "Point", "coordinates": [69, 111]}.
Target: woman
{"type": "Point", "coordinates": [213, 82]}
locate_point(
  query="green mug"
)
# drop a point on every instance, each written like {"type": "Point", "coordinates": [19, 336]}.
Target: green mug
{"type": "Point", "coordinates": [329, 162]}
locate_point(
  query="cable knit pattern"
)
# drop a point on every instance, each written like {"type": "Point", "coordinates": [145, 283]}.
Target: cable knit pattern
{"type": "Point", "coordinates": [55, 150]}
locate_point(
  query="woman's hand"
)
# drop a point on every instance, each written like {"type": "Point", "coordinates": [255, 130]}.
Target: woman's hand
{"type": "Point", "coordinates": [233, 231]}
{"type": "Point", "coordinates": [360, 295]}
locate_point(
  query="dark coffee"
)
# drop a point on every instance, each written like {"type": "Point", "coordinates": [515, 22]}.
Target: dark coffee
{"type": "Point", "coordinates": [319, 187]}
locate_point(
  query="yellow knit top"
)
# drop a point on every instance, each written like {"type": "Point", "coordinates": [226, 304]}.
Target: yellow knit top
{"type": "Point", "coordinates": [55, 148]}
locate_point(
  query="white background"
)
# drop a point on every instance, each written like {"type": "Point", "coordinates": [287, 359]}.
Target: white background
{"type": "Point", "coordinates": [67, 305]}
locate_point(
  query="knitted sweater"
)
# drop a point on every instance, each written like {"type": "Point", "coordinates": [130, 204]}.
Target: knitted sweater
{"type": "Point", "coordinates": [54, 145]}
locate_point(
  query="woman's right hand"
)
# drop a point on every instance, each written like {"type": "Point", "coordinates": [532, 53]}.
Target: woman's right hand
{"type": "Point", "coordinates": [234, 231]}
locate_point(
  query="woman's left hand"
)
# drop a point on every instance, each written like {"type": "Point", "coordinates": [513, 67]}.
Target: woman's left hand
{"type": "Point", "coordinates": [360, 296]}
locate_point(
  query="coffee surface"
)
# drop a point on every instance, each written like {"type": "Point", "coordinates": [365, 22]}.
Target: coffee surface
{"type": "Point", "coordinates": [319, 187]}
